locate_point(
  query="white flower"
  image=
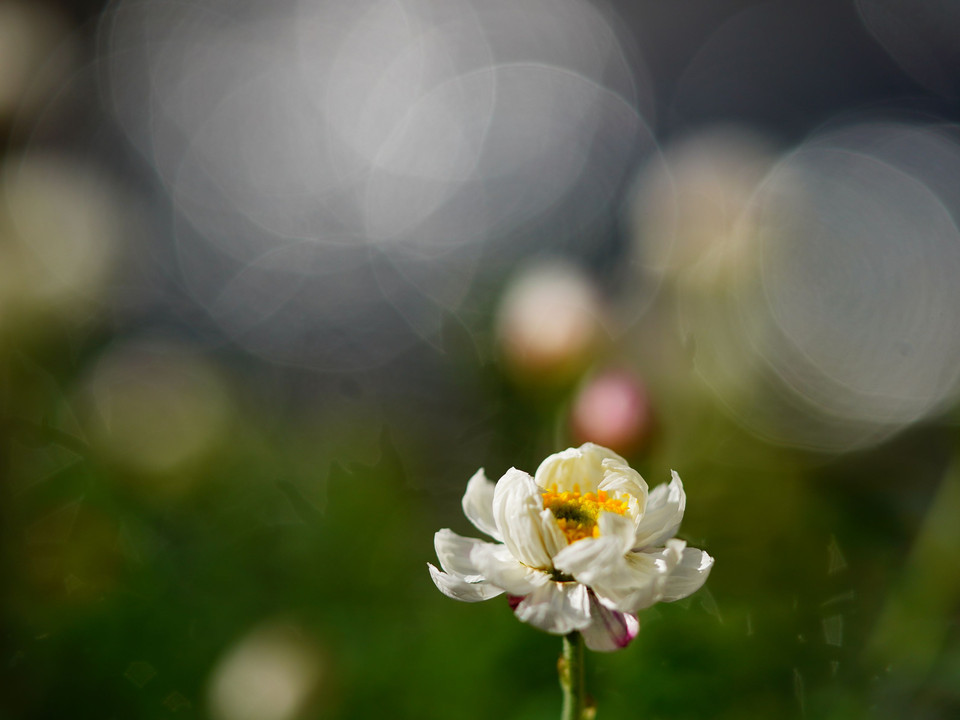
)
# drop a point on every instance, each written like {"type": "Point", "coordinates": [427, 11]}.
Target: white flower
{"type": "Point", "coordinates": [582, 546]}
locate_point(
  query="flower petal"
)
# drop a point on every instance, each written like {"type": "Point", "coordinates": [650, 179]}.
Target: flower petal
{"type": "Point", "coordinates": [517, 505]}
{"type": "Point", "coordinates": [626, 582]}
{"type": "Point", "coordinates": [582, 466]}
{"type": "Point", "coordinates": [661, 520]}
{"type": "Point", "coordinates": [588, 558]}
{"type": "Point", "coordinates": [478, 504]}
{"type": "Point", "coordinates": [499, 567]}
{"type": "Point", "coordinates": [557, 608]}
{"type": "Point", "coordinates": [688, 576]}
{"type": "Point", "coordinates": [609, 630]}
{"type": "Point", "coordinates": [553, 538]}
{"type": "Point", "coordinates": [619, 478]}
{"type": "Point", "coordinates": [458, 589]}
{"type": "Point", "coordinates": [454, 553]}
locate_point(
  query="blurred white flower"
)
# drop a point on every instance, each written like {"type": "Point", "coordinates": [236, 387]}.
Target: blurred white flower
{"type": "Point", "coordinates": [550, 352]}
{"type": "Point", "coordinates": [583, 546]}
{"type": "Point", "coordinates": [273, 673]}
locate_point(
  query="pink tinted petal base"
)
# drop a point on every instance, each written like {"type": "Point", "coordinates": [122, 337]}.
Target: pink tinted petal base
{"type": "Point", "coordinates": [609, 630]}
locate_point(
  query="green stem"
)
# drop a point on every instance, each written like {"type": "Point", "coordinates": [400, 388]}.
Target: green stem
{"type": "Point", "coordinates": [570, 668]}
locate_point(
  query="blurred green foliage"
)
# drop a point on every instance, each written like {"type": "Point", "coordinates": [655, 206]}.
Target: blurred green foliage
{"type": "Point", "coordinates": [123, 590]}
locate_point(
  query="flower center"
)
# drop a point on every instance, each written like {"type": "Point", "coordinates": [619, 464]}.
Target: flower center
{"type": "Point", "coordinates": [577, 514]}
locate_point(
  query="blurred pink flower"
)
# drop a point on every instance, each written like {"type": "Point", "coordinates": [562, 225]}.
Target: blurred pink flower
{"type": "Point", "coordinates": [613, 410]}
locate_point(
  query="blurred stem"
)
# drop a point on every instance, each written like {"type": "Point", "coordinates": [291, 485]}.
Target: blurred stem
{"type": "Point", "coordinates": [570, 668]}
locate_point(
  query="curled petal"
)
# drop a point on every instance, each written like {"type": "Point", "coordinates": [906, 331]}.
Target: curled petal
{"type": "Point", "coordinates": [454, 587]}
{"type": "Point", "coordinates": [626, 582]}
{"type": "Point", "coordinates": [609, 630]}
{"type": "Point", "coordinates": [583, 466]}
{"type": "Point", "coordinates": [619, 478]}
{"type": "Point", "coordinates": [553, 538]}
{"type": "Point", "coordinates": [588, 559]}
{"type": "Point", "coordinates": [454, 553]}
{"type": "Point", "coordinates": [517, 505]}
{"type": "Point", "coordinates": [663, 514]}
{"type": "Point", "coordinates": [478, 504]}
{"type": "Point", "coordinates": [650, 571]}
{"type": "Point", "coordinates": [499, 567]}
{"type": "Point", "coordinates": [557, 608]}
{"type": "Point", "coordinates": [689, 575]}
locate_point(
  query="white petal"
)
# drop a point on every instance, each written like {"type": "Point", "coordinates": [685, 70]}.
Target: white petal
{"type": "Point", "coordinates": [689, 575]}
{"type": "Point", "coordinates": [557, 608]}
{"type": "Point", "coordinates": [553, 538]}
{"type": "Point", "coordinates": [618, 477]}
{"type": "Point", "coordinates": [582, 466]}
{"type": "Point", "coordinates": [499, 567]}
{"type": "Point", "coordinates": [648, 572]}
{"type": "Point", "coordinates": [454, 552]}
{"type": "Point", "coordinates": [626, 582]}
{"type": "Point", "coordinates": [661, 520]}
{"type": "Point", "coordinates": [478, 504]}
{"type": "Point", "coordinates": [458, 589]}
{"type": "Point", "coordinates": [517, 505]}
{"type": "Point", "coordinates": [609, 630]}
{"type": "Point", "coordinates": [591, 558]}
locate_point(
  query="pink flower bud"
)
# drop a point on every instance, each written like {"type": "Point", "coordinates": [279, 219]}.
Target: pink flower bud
{"type": "Point", "coordinates": [612, 409]}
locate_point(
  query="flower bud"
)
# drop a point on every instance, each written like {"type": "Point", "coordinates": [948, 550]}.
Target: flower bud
{"type": "Point", "coordinates": [549, 323]}
{"type": "Point", "coordinates": [612, 409]}
{"type": "Point", "coordinates": [271, 674]}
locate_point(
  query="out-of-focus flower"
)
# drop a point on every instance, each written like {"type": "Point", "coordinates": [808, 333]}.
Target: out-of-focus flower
{"type": "Point", "coordinates": [613, 410]}
{"type": "Point", "coordinates": [688, 208]}
{"type": "Point", "coordinates": [62, 226]}
{"type": "Point", "coordinates": [582, 546]}
{"type": "Point", "coordinates": [550, 323]}
{"type": "Point", "coordinates": [156, 409]}
{"type": "Point", "coordinates": [274, 673]}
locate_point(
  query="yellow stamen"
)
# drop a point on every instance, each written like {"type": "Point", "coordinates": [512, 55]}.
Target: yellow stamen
{"type": "Point", "coordinates": [577, 514]}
